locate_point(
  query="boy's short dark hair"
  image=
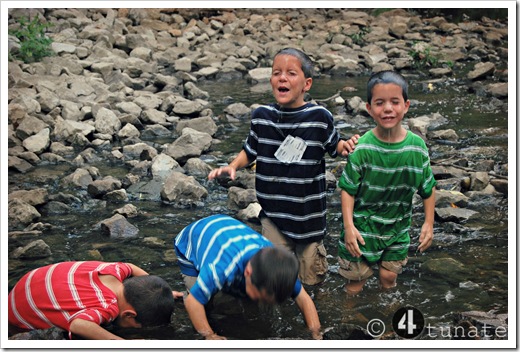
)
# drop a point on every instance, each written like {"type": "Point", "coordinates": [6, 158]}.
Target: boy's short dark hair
{"type": "Point", "coordinates": [275, 270]}
{"type": "Point", "coordinates": [305, 60]}
{"type": "Point", "coordinates": [151, 297]}
{"type": "Point", "coordinates": [386, 77]}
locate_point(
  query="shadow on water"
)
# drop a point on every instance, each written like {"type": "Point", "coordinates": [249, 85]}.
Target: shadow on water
{"type": "Point", "coordinates": [454, 275]}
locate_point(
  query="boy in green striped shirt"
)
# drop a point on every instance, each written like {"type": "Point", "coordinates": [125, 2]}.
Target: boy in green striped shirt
{"type": "Point", "coordinates": [389, 165]}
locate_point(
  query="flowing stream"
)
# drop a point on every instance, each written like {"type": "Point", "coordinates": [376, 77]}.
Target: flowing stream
{"type": "Point", "coordinates": [480, 283]}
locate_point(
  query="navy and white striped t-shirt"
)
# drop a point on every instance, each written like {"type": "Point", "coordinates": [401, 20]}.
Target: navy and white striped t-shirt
{"type": "Point", "coordinates": [217, 250]}
{"type": "Point", "coordinates": [292, 195]}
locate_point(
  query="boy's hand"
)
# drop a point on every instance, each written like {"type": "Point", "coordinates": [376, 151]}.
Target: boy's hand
{"type": "Point", "coordinates": [426, 237]}
{"type": "Point", "coordinates": [345, 147]}
{"type": "Point", "coordinates": [352, 237]}
{"type": "Point", "coordinates": [177, 294]}
{"type": "Point", "coordinates": [214, 336]}
{"type": "Point", "coordinates": [229, 170]}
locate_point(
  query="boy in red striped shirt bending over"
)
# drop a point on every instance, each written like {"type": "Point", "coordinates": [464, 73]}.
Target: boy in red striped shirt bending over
{"type": "Point", "coordinates": [80, 297]}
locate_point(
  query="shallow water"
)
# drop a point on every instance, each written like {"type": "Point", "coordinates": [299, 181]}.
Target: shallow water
{"type": "Point", "coordinates": [481, 246]}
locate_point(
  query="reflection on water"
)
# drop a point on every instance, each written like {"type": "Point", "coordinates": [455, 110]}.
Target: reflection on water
{"type": "Point", "coordinates": [478, 282]}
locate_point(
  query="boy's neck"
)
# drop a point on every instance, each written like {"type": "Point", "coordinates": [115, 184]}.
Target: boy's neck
{"type": "Point", "coordinates": [394, 135]}
{"type": "Point", "coordinates": [113, 285]}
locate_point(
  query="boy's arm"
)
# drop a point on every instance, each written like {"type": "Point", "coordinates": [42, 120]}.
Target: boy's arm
{"type": "Point", "coordinates": [310, 314]}
{"type": "Point", "coordinates": [137, 271]}
{"type": "Point", "coordinates": [352, 235]}
{"type": "Point", "coordinates": [199, 320]}
{"type": "Point", "coordinates": [91, 331]}
{"type": "Point", "coordinates": [239, 162]}
{"type": "Point", "coordinates": [345, 146]}
{"type": "Point", "coordinates": [426, 237]}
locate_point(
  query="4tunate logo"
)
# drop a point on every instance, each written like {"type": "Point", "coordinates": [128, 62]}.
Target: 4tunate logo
{"type": "Point", "coordinates": [408, 322]}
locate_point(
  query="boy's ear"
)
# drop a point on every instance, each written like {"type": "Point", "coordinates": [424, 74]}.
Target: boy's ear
{"type": "Point", "coordinates": [308, 84]}
{"type": "Point", "coordinates": [248, 270]}
{"type": "Point", "coordinates": [128, 313]}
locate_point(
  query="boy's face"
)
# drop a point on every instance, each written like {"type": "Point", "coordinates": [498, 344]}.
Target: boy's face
{"type": "Point", "coordinates": [288, 81]}
{"type": "Point", "coordinates": [387, 107]}
{"type": "Point", "coordinates": [258, 295]}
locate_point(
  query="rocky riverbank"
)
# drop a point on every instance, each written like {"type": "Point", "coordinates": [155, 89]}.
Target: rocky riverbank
{"type": "Point", "coordinates": [122, 77]}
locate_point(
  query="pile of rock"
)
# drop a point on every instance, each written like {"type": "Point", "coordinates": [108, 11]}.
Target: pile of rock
{"type": "Point", "coordinates": [122, 76]}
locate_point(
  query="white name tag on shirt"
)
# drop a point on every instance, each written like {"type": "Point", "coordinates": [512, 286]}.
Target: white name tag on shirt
{"type": "Point", "coordinates": [291, 150]}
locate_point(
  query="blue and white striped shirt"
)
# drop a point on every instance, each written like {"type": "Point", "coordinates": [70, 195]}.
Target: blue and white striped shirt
{"type": "Point", "coordinates": [217, 249]}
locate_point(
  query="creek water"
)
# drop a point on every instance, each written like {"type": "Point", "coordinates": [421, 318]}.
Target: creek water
{"type": "Point", "coordinates": [480, 246]}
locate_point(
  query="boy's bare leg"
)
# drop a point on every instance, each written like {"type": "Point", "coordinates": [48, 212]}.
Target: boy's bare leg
{"type": "Point", "coordinates": [387, 278]}
{"type": "Point", "coordinates": [353, 287]}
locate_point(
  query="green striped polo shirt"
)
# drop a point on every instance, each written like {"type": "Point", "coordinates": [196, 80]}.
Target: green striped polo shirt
{"type": "Point", "coordinates": [383, 178]}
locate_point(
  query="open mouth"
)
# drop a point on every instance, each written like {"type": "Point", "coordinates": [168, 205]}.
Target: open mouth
{"type": "Point", "coordinates": [283, 89]}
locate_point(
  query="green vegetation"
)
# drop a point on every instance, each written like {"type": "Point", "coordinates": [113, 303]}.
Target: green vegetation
{"type": "Point", "coordinates": [34, 45]}
{"type": "Point", "coordinates": [358, 37]}
{"type": "Point", "coordinates": [423, 57]}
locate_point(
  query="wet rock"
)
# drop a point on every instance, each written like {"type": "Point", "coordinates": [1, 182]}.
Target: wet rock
{"type": "Point", "coordinates": [238, 110]}
{"type": "Point", "coordinates": [46, 334]}
{"type": "Point", "coordinates": [163, 165]}
{"type": "Point", "coordinates": [154, 242]}
{"type": "Point", "coordinates": [447, 268]}
{"type": "Point", "coordinates": [500, 185]}
{"type": "Point", "coordinates": [100, 187]}
{"type": "Point", "coordinates": [55, 207]}
{"type": "Point", "coordinates": [454, 214]}
{"type": "Point", "coordinates": [33, 250]}
{"type": "Point", "coordinates": [347, 332]}
{"type": "Point", "coordinates": [118, 227]}
{"type": "Point", "coordinates": [201, 124]}
{"type": "Point", "coordinates": [21, 213]}
{"type": "Point", "coordinates": [117, 196]}
{"type": "Point", "coordinates": [445, 198]}
{"type": "Point", "coordinates": [479, 181]}
{"type": "Point", "coordinates": [30, 125]}
{"type": "Point", "coordinates": [197, 167]}
{"type": "Point", "coordinates": [240, 198]}
{"type": "Point", "coordinates": [481, 70]}
{"type": "Point", "coordinates": [128, 210]}
{"type": "Point", "coordinates": [183, 190]}
{"type": "Point", "coordinates": [250, 213]}
{"type": "Point", "coordinates": [191, 143]}
{"type": "Point", "coordinates": [499, 90]}
{"type": "Point", "coordinates": [18, 164]}
{"type": "Point", "coordinates": [39, 142]}
{"type": "Point", "coordinates": [479, 325]}
{"type": "Point", "coordinates": [33, 197]}
{"type": "Point", "coordinates": [449, 135]}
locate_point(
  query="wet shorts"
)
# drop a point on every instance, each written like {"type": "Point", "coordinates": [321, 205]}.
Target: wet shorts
{"type": "Point", "coordinates": [312, 256]}
{"type": "Point", "coordinates": [362, 270]}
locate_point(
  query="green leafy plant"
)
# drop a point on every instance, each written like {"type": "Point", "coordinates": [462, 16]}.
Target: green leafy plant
{"type": "Point", "coordinates": [358, 37]}
{"type": "Point", "coordinates": [422, 56]}
{"type": "Point", "coordinates": [34, 44]}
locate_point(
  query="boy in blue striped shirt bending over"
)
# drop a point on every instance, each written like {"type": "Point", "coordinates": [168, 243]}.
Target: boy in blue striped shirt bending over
{"type": "Point", "coordinates": [220, 253]}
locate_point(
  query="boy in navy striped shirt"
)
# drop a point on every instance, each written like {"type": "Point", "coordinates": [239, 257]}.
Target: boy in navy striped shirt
{"type": "Point", "coordinates": [220, 253]}
{"type": "Point", "coordinates": [289, 140]}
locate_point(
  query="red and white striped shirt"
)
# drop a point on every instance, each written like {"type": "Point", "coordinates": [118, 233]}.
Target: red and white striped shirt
{"type": "Point", "coordinates": [56, 294]}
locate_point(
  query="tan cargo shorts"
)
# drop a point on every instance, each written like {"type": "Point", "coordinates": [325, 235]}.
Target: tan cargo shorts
{"type": "Point", "coordinates": [311, 256]}
{"type": "Point", "coordinates": [362, 270]}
